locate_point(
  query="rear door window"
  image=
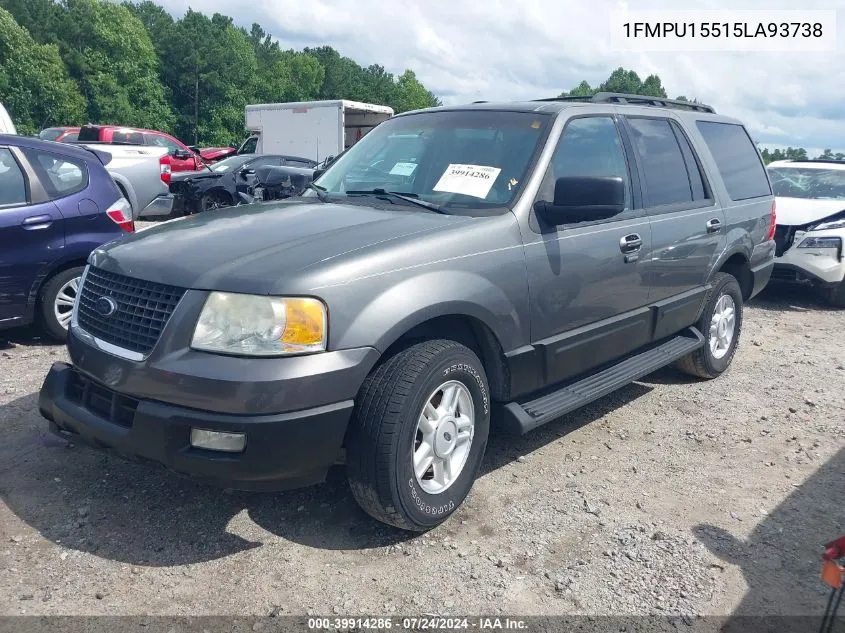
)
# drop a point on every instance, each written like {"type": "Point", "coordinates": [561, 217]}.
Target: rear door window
{"type": "Point", "coordinates": [129, 138]}
{"type": "Point", "coordinates": [661, 161]}
{"type": "Point", "coordinates": [12, 181]}
{"type": "Point", "coordinates": [61, 176]}
{"type": "Point", "coordinates": [737, 159]}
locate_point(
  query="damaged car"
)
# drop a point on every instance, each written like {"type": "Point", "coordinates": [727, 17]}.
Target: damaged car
{"type": "Point", "coordinates": [278, 183]}
{"type": "Point", "coordinates": [810, 198]}
{"type": "Point", "coordinates": [225, 183]}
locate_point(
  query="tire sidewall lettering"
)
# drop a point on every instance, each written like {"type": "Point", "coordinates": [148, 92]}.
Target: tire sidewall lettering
{"type": "Point", "coordinates": [476, 377]}
{"type": "Point", "coordinates": [431, 510]}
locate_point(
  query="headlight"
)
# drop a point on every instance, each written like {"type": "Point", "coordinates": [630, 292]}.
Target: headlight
{"type": "Point", "coordinates": [826, 226]}
{"type": "Point", "coordinates": [251, 325]}
{"type": "Point", "coordinates": [821, 242]}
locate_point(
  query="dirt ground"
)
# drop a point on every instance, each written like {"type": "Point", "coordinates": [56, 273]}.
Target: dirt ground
{"type": "Point", "coordinates": [669, 497]}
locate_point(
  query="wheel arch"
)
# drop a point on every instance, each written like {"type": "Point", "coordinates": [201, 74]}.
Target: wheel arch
{"type": "Point", "coordinates": [738, 265]}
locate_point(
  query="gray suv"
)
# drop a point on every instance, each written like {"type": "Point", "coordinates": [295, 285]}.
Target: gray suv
{"type": "Point", "coordinates": [508, 261]}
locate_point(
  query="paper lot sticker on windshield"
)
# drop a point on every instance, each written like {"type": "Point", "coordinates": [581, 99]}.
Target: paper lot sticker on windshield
{"type": "Point", "coordinates": [469, 180]}
{"type": "Point", "coordinates": [403, 169]}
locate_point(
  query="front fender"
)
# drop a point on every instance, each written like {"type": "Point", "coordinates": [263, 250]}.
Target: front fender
{"type": "Point", "coordinates": [400, 307]}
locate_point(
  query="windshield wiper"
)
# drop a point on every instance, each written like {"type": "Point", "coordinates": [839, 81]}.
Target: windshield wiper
{"type": "Point", "coordinates": [405, 196]}
{"type": "Point", "coordinates": [321, 193]}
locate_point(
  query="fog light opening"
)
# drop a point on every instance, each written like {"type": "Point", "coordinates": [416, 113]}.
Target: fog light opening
{"type": "Point", "coordinates": [218, 440]}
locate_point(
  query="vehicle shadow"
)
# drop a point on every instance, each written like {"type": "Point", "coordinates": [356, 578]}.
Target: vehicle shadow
{"type": "Point", "coordinates": [782, 297]}
{"type": "Point", "coordinates": [132, 513]}
{"type": "Point", "coordinates": [781, 558]}
{"type": "Point", "coordinates": [28, 336]}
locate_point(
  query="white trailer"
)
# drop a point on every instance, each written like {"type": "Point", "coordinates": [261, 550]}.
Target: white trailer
{"type": "Point", "coordinates": [311, 129]}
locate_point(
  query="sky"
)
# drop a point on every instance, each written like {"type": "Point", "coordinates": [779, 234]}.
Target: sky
{"type": "Point", "coordinates": [469, 50]}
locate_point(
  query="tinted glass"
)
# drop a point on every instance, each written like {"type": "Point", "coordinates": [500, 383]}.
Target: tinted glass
{"type": "Point", "coordinates": [70, 137]}
{"type": "Point", "coordinates": [228, 164]}
{"type": "Point", "coordinates": [50, 134]}
{"type": "Point", "coordinates": [808, 183]}
{"type": "Point", "coordinates": [299, 163]}
{"type": "Point", "coordinates": [472, 159]}
{"type": "Point", "coordinates": [589, 146]}
{"type": "Point", "coordinates": [699, 191]}
{"type": "Point", "coordinates": [162, 141]}
{"type": "Point", "coordinates": [737, 159]}
{"type": "Point", "coordinates": [12, 183]}
{"type": "Point", "coordinates": [661, 162]}
{"type": "Point", "coordinates": [249, 145]}
{"type": "Point", "coordinates": [131, 138]}
{"type": "Point", "coordinates": [61, 176]}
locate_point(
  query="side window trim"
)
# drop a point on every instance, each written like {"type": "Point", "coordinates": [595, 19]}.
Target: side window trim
{"type": "Point", "coordinates": [635, 197]}
{"type": "Point", "coordinates": [649, 208]}
{"type": "Point", "coordinates": [45, 190]}
{"type": "Point", "coordinates": [689, 152]}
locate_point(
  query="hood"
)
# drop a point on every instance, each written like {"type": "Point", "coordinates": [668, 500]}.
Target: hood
{"type": "Point", "coordinates": [205, 174]}
{"type": "Point", "coordinates": [801, 211]}
{"type": "Point", "coordinates": [253, 248]}
{"type": "Point", "coordinates": [214, 153]}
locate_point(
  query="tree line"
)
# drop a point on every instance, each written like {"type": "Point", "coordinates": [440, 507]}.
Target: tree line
{"type": "Point", "coordinates": [70, 62]}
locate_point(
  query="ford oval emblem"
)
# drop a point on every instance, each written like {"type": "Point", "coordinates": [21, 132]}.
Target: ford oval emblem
{"type": "Point", "coordinates": [105, 306]}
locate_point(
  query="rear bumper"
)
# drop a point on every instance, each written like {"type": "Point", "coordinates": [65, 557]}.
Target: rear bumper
{"type": "Point", "coordinates": [161, 205]}
{"type": "Point", "coordinates": [283, 451]}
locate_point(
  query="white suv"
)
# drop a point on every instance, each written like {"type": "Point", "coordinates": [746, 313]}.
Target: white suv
{"type": "Point", "coordinates": [810, 231]}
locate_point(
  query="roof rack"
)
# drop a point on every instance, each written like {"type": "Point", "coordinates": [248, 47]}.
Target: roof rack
{"type": "Point", "coordinates": [618, 97]}
{"type": "Point", "coordinates": [835, 161]}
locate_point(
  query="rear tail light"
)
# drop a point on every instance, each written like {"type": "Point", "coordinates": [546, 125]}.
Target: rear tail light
{"type": "Point", "coordinates": [121, 214]}
{"type": "Point", "coordinates": [772, 222]}
{"type": "Point", "coordinates": [165, 169]}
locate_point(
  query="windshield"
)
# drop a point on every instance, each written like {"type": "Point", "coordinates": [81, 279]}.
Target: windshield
{"type": "Point", "coordinates": [228, 164]}
{"type": "Point", "coordinates": [51, 133]}
{"type": "Point", "coordinates": [471, 159]}
{"type": "Point", "coordinates": [803, 182]}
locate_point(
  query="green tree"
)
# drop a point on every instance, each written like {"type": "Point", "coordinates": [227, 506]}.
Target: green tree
{"type": "Point", "coordinates": [110, 54]}
{"type": "Point", "coordinates": [34, 84]}
{"type": "Point", "coordinates": [411, 94]}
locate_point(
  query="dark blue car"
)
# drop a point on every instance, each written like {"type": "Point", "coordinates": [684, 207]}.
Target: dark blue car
{"type": "Point", "coordinates": [57, 204]}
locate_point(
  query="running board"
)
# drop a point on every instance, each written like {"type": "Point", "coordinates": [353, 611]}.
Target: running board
{"type": "Point", "coordinates": [522, 417]}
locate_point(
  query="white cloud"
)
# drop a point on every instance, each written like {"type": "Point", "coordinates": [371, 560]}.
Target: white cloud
{"type": "Point", "coordinates": [466, 50]}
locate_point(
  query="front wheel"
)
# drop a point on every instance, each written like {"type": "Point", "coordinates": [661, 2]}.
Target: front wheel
{"type": "Point", "coordinates": [835, 296]}
{"type": "Point", "coordinates": [721, 324]}
{"type": "Point", "coordinates": [418, 434]}
{"type": "Point", "coordinates": [57, 298]}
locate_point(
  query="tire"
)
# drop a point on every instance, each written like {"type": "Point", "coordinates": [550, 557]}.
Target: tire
{"type": "Point", "coordinates": [53, 302]}
{"type": "Point", "coordinates": [384, 434]}
{"type": "Point", "coordinates": [835, 296]}
{"type": "Point", "coordinates": [215, 200]}
{"type": "Point", "coordinates": [707, 362]}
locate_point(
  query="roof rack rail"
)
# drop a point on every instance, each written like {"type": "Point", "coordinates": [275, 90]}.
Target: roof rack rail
{"type": "Point", "coordinates": [835, 161]}
{"type": "Point", "coordinates": [618, 97]}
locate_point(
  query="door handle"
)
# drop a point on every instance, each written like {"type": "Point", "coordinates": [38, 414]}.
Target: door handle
{"type": "Point", "coordinates": [714, 225]}
{"type": "Point", "coordinates": [35, 222]}
{"type": "Point", "coordinates": [630, 243]}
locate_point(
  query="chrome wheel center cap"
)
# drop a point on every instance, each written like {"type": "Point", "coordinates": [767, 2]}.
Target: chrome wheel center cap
{"type": "Point", "coordinates": [445, 437]}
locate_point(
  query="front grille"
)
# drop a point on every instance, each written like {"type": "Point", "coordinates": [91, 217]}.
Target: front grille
{"type": "Point", "coordinates": [784, 236]}
{"type": "Point", "coordinates": [143, 309]}
{"type": "Point", "coordinates": [101, 401]}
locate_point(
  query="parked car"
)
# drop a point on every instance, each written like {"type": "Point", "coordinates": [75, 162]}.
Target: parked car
{"type": "Point", "coordinates": [811, 225]}
{"type": "Point", "coordinates": [278, 183]}
{"type": "Point", "coordinates": [57, 204]}
{"type": "Point", "coordinates": [6, 124]}
{"type": "Point", "coordinates": [179, 156]}
{"type": "Point", "coordinates": [220, 185]}
{"type": "Point", "coordinates": [59, 134]}
{"type": "Point", "coordinates": [142, 173]}
{"type": "Point", "coordinates": [505, 266]}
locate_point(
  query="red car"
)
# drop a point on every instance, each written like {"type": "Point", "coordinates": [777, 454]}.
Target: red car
{"type": "Point", "coordinates": [181, 157]}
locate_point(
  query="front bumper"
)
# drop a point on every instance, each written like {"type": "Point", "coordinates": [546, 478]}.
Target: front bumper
{"type": "Point", "coordinates": [161, 205]}
{"type": "Point", "coordinates": [282, 451]}
{"type": "Point", "coordinates": [294, 411]}
{"type": "Point", "coordinates": [818, 266]}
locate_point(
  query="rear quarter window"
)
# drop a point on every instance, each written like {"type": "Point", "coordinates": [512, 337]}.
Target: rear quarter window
{"type": "Point", "coordinates": [737, 160]}
{"type": "Point", "coordinates": [60, 175]}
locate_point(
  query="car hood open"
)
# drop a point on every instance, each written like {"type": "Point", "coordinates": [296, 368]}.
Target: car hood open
{"type": "Point", "coordinates": [801, 211]}
{"type": "Point", "coordinates": [253, 248]}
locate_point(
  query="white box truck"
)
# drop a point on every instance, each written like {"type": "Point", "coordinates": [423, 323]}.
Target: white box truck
{"type": "Point", "coordinates": [310, 129]}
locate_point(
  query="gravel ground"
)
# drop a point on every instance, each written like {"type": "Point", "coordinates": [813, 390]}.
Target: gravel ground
{"type": "Point", "coordinates": [668, 497]}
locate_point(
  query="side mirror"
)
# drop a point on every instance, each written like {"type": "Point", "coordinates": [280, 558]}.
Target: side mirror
{"type": "Point", "coordinates": [194, 149]}
{"type": "Point", "coordinates": [248, 171]}
{"type": "Point", "coordinates": [181, 154]}
{"type": "Point", "coordinates": [583, 198]}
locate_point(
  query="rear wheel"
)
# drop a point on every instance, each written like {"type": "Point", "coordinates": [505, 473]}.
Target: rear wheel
{"type": "Point", "coordinates": [418, 434]}
{"type": "Point", "coordinates": [57, 298]}
{"type": "Point", "coordinates": [835, 296]}
{"type": "Point", "coordinates": [720, 323]}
